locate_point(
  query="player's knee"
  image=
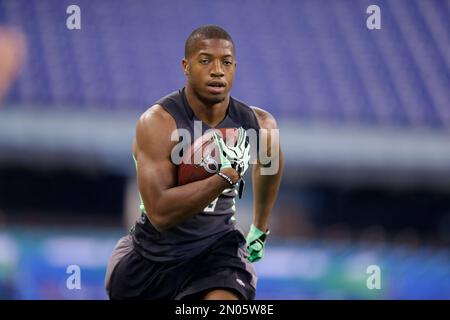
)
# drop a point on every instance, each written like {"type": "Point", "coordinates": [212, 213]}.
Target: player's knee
{"type": "Point", "coordinates": [220, 294]}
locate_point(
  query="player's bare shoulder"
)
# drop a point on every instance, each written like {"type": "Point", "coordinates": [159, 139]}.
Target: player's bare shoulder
{"type": "Point", "coordinates": [269, 136]}
{"type": "Point", "coordinates": [265, 119]}
{"type": "Point", "coordinates": [154, 129]}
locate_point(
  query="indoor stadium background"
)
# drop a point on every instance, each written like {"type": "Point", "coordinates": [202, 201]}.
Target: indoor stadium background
{"type": "Point", "coordinates": [364, 119]}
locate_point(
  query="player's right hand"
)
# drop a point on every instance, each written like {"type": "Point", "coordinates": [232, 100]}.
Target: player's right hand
{"type": "Point", "coordinates": [237, 156]}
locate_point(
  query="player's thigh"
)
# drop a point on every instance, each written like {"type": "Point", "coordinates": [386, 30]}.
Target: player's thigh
{"type": "Point", "coordinates": [135, 277]}
{"type": "Point", "coordinates": [224, 267]}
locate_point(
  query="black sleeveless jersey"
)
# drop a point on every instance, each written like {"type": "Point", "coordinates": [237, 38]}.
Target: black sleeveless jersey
{"type": "Point", "coordinates": [192, 236]}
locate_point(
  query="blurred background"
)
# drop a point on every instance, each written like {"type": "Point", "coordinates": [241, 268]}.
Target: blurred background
{"type": "Point", "coordinates": [364, 119]}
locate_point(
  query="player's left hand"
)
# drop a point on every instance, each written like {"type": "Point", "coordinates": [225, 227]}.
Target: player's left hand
{"type": "Point", "coordinates": [255, 243]}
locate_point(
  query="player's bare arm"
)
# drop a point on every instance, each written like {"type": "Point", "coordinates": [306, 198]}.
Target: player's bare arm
{"type": "Point", "coordinates": [265, 187]}
{"type": "Point", "coordinates": [166, 203]}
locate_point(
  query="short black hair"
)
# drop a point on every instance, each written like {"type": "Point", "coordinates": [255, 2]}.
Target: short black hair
{"type": "Point", "coordinates": [209, 31]}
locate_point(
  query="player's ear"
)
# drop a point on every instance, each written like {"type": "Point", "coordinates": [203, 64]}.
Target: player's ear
{"type": "Point", "coordinates": [185, 65]}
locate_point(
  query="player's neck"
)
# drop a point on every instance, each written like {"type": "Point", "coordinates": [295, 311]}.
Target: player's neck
{"type": "Point", "coordinates": [211, 114]}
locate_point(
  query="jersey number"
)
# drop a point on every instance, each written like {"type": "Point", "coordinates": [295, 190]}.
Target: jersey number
{"type": "Point", "coordinates": [211, 206]}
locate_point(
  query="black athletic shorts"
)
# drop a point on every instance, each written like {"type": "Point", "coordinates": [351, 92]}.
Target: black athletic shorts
{"type": "Point", "coordinates": [222, 265]}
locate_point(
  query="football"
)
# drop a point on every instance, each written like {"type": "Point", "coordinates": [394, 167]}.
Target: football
{"type": "Point", "coordinates": [201, 159]}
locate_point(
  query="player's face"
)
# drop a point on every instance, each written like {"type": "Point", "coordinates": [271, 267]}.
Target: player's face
{"type": "Point", "coordinates": [210, 69]}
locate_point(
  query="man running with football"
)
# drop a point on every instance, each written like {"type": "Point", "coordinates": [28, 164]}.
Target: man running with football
{"type": "Point", "coordinates": [185, 244]}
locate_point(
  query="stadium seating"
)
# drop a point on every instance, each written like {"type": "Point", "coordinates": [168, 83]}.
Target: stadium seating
{"type": "Point", "coordinates": [313, 60]}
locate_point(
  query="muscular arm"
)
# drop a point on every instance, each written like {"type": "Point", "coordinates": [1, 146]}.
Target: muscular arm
{"type": "Point", "coordinates": [167, 204]}
{"type": "Point", "coordinates": [265, 187]}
